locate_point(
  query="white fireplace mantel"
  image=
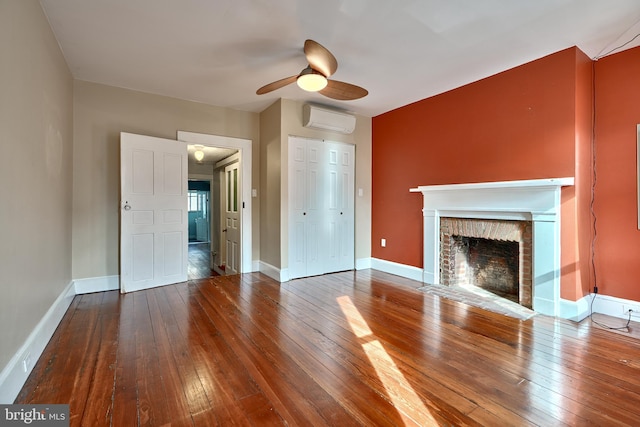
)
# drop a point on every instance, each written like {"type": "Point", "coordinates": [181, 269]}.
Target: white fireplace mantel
{"type": "Point", "coordinates": [536, 200]}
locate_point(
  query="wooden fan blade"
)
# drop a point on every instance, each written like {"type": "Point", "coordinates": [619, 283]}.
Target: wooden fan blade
{"type": "Point", "coordinates": [343, 91]}
{"type": "Point", "coordinates": [276, 85]}
{"type": "Point", "coordinates": [320, 58]}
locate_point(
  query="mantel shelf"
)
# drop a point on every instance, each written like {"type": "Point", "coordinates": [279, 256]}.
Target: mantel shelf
{"type": "Point", "coordinates": [524, 184]}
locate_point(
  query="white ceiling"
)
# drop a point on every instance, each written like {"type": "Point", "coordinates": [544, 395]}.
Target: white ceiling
{"type": "Point", "coordinates": [220, 51]}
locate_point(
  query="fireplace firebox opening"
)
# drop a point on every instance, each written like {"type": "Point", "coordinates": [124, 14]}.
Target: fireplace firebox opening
{"type": "Point", "coordinates": [488, 264]}
{"type": "Point", "coordinates": [494, 255]}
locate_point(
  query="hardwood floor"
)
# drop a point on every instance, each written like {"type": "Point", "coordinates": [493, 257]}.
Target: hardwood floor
{"type": "Point", "coordinates": [199, 261]}
{"type": "Point", "coordinates": [353, 348]}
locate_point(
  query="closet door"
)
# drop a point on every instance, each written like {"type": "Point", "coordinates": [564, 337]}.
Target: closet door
{"type": "Point", "coordinates": [321, 207]}
{"type": "Point", "coordinates": [340, 212]}
{"type": "Point", "coordinates": [306, 208]}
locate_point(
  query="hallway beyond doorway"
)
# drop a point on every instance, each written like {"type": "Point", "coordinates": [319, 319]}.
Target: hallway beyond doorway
{"type": "Point", "coordinates": [200, 261]}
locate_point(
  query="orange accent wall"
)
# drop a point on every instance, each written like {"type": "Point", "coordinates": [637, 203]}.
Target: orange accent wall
{"type": "Point", "coordinates": [576, 216]}
{"type": "Point", "coordinates": [519, 124]}
{"type": "Point", "coordinates": [617, 239]}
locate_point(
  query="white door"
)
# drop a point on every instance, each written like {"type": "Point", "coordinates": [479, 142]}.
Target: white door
{"type": "Point", "coordinates": [231, 230]}
{"type": "Point", "coordinates": [340, 169]}
{"type": "Point", "coordinates": [321, 207]}
{"type": "Point", "coordinates": [153, 213]}
{"type": "Point", "coordinates": [307, 236]}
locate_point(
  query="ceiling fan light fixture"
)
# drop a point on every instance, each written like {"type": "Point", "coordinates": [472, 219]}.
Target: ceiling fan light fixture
{"type": "Point", "coordinates": [314, 78]}
{"type": "Point", "coordinates": [311, 80]}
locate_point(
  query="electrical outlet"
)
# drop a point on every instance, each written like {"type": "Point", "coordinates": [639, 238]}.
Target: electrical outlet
{"type": "Point", "coordinates": [635, 309]}
{"type": "Point", "coordinates": [383, 243]}
{"type": "Point", "coordinates": [26, 363]}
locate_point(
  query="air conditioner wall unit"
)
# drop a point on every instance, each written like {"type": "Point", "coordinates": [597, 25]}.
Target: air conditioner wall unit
{"type": "Point", "coordinates": [321, 118]}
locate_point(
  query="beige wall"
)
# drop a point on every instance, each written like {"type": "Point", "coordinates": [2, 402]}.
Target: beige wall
{"type": "Point", "coordinates": [270, 162]}
{"type": "Point", "coordinates": [35, 171]}
{"type": "Point", "coordinates": [60, 221]}
{"type": "Point", "coordinates": [100, 114]}
{"type": "Point", "coordinates": [287, 114]}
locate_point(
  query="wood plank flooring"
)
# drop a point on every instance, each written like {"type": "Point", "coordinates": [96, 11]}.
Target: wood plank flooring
{"type": "Point", "coordinates": [199, 261]}
{"type": "Point", "coordinates": [354, 348]}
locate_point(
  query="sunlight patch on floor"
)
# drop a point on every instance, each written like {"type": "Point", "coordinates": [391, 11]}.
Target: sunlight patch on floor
{"type": "Point", "coordinates": [409, 405]}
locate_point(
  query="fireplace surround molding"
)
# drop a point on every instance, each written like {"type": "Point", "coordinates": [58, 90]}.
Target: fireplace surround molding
{"type": "Point", "coordinates": [536, 200]}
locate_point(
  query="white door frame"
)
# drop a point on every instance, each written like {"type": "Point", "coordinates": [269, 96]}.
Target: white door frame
{"type": "Point", "coordinates": [244, 149]}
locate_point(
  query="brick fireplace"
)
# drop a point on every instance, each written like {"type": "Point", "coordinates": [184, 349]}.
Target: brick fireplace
{"type": "Point", "coordinates": [533, 204]}
{"type": "Point", "coordinates": [494, 255]}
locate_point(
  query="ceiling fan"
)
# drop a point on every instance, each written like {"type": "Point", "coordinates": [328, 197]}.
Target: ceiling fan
{"type": "Point", "coordinates": [314, 78]}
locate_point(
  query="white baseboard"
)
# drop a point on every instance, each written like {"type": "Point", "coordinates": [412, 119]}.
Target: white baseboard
{"type": "Point", "coordinates": [274, 272]}
{"type": "Point", "coordinates": [282, 275]}
{"type": "Point", "coordinates": [574, 310]}
{"type": "Point", "coordinates": [402, 270]}
{"type": "Point", "coordinates": [613, 306]}
{"type": "Point", "coordinates": [255, 265]}
{"type": "Point", "coordinates": [13, 376]}
{"type": "Point", "coordinates": [363, 263]}
{"type": "Point", "coordinates": [96, 284]}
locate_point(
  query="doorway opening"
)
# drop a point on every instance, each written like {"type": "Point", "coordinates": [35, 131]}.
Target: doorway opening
{"type": "Point", "coordinates": [199, 211]}
{"type": "Point", "coordinates": [206, 222]}
{"type": "Point", "coordinates": [199, 214]}
{"type": "Point", "coordinates": [228, 234]}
